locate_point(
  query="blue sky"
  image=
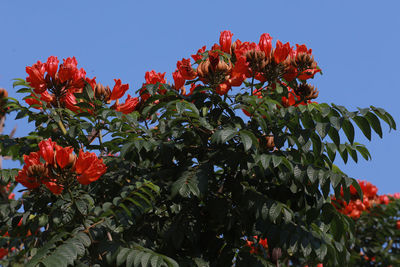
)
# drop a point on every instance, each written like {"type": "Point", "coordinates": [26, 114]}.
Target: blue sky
{"type": "Point", "coordinates": [354, 42]}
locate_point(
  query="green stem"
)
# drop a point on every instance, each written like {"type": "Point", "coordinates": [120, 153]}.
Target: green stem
{"type": "Point", "coordinates": [62, 127]}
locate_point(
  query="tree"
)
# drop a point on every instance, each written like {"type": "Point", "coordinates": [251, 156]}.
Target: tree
{"type": "Point", "coordinates": [237, 170]}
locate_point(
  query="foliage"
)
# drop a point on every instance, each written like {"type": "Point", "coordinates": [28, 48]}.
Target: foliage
{"type": "Point", "coordinates": [190, 180]}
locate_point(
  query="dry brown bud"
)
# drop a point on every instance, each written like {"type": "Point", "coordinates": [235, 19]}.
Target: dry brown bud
{"type": "Point", "coordinates": [257, 60]}
{"type": "Point", "coordinates": [303, 61]}
{"type": "Point", "coordinates": [270, 142]}
{"type": "Point", "coordinates": [102, 92]}
{"type": "Point", "coordinates": [306, 91]}
{"type": "Point", "coordinates": [3, 93]}
{"type": "Point", "coordinates": [38, 171]}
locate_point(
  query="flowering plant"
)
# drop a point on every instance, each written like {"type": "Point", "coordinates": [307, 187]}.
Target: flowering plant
{"type": "Point", "coordinates": [231, 163]}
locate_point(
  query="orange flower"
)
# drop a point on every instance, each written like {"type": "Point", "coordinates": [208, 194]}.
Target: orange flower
{"type": "Point", "coordinates": [89, 167]}
{"type": "Point", "coordinates": [118, 90]}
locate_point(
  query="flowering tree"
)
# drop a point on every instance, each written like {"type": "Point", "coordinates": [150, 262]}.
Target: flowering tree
{"type": "Point", "coordinates": [232, 164]}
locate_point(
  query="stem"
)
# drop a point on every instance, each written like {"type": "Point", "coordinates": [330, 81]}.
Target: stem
{"type": "Point", "coordinates": [62, 127]}
{"type": "Point", "coordinates": [252, 85]}
{"type": "Point", "coordinates": [101, 143]}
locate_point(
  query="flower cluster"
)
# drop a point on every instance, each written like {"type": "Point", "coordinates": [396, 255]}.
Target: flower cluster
{"type": "Point", "coordinates": [230, 63]}
{"type": "Point", "coordinates": [57, 167]}
{"type": "Point", "coordinates": [7, 191]}
{"type": "Point", "coordinates": [356, 205]}
{"type": "Point", "coordinates": [255, 248]}
{"type": "Point", "coordinates": [57, 84]}
{"type": "Point", "coordinates": [3, 95]}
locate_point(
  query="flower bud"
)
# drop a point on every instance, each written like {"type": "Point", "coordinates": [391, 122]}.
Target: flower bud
{"type": "Point", "coordinates": [102, 92]}
{"type": "Point", "coordinates": [3, 93]}
{"type": "Point", "coordinates": [257, 60]}
{"type": "Point", "coordinates": [38, 171]}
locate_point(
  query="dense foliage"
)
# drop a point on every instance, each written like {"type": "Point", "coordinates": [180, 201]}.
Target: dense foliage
{"type": "Point", "coordinates": [232, 164]}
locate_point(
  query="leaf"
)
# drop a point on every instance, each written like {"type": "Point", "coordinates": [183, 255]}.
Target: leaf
{"type": "Point", "coordinates": [130, 258]}
{"type": "Point", "coordinates": [348, 129]}
{"type": "Point", "coordinates": [363, 124]}
{"type": "Point", "coordinates": [145, 259]}
{"type": "Point", "coordinates": [321, 252]}
{"type": "Point", "coordinates": [335, 179]}
{"type": "Point", "coordinates": [374, 122]}
{"type": "Point", "coordinates": [246, 140]}
{"type": "Point", "coordinates": [322, 129]}
{"type": "Point", "coordinates": [227, 134]}
{"type": "Point", "coordinates": [276, 160]}
{"type": "Point", "coordinates": [275, 211]}
{"type": "Point", "coordinates": [334, 135]}
{"type": "Point", "coordinates": [312, 174]}
{"type": "Point", "coordinates": [307, 121]}
{"type": "Point", "coordinates": [265, 159]}
{"type": "Point", "coordinates": [221, 136]}
{"type": "Point", "coordinates": [88, 92]}
{"type": "Point", "coordinates": [187, 184]}
{"type": "Point", "coordinates": [363, 151]}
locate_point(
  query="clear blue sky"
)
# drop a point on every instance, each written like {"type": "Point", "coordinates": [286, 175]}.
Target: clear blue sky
{"type": "Point", "coordinates": [354, 42]}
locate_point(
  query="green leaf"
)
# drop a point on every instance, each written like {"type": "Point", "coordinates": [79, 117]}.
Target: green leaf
{"type": "Point", "coordinates": [307, 121]}
{"type": "Point", "coordinates": [126, 148]}
{"type": "Point", "coordinates": [363, 124]}
{"type": "Point", "coordinates": [246, 140]}
{"type": "Point", "coordinates": [363, 151]}
{"type": "Point", "coordinates": [334, 135]}
{"type": "Point", "coordinates": [335, 179]}
{"type": "Point", "coordinates": [321, 252]}
{"type": "Point", "coordinates": [374, 122]}
{"type": "Point", "coordinates": [312, 174]}
{"type": "Point", "coordinates": [265, 159]}
{"type": "Point", "coordinates": [222, 136]}
{"type": "Point", "coordinates": [88, 92]}
{"type": "Point", "coordinates": [276, 160]}
{"type": "Point", "coordinates": [130, 258]}
{"type": "Point", "coordinates": [275, 211]}
{"type": "Point", "coordinates": [322, 129]}
{"type": "Point", "coordinates": [348, 129]}
{"type": "Point", "coordinates": [145, 259]}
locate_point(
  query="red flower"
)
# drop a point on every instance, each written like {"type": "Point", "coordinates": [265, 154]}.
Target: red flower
{"type": "Point", "coordinates": [178, 79]}
{"type": "Point", "coordinates": [36, 77]}
{"type": "Point", "coordinates": [70, 102]}
{"type": "Point", "coordinates": [398, 224]}
{"type": "Point", "coordinates": [281, 51]}
{"type": "Point", "coordinates": [223, 88]}
{"type": "Point", "coordinates": [89, 167]}
{"type": "Point", "coordinates": [67, 69]}
{"type": "Point", "coordinates": [47, 150]}
{"type": "Point", "coordinates": [254, 249]}
{"type": "Point", "coordinates": [265, 44]}
{"type": "Point", "coordinates": [3, 252]}
{"type": "Point", "coordinates": [308, 73]}
{"type": "Point", "coordinates": [55, 188]}
{"type": "Point", "coordinates": [52, 66]}
{"type": "Point", "coordinates": [384, 199]}
{"type": "Point", "coordinates": [32, 100]}
{"type": "Point", "coordinates": [303, 49]}
{"type": "Point", "coordinates": [225, 41]}
{"type": "Point", "coordinates": [240, 71]}
{"type": "Point", "coordinates": [198, 56]}
{"type": "Point", "coordinates": [153, 77]}
{"type": "Point", "coordinates": [64, 156]}
{"type": "Point", "coordinates": [118, 90]}
{"type": "Point", "coordinates": [128, 107]}
{"type": "Point", "coordinates": [29, 182]}
{"type": "Point", "coordinates": [186, 70]}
